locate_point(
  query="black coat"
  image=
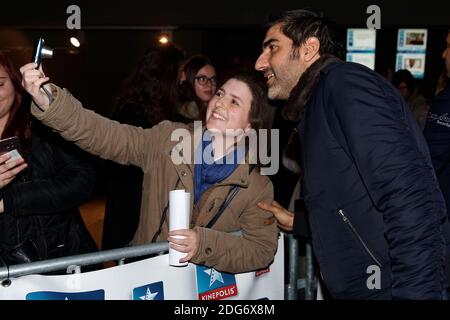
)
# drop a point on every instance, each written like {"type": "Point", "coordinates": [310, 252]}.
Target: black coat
{"type": "Point", "coordinates": [41, 203]}
{"type": "Point", "coordinates": [370, 190]}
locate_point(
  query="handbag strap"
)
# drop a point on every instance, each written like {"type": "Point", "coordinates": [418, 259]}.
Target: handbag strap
{"type": "Point", "coordinates": [231, 194]}
{"type": "Point", "coordinates": [164, 215]}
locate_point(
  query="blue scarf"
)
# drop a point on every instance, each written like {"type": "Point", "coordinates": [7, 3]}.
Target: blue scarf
{"type": "Point", "coordinates": [206, 174]}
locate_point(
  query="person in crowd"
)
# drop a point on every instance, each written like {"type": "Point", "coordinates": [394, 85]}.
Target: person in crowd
{"type": "Point", "coordinates": [404, 81]}
{"type": "Point", "coordinates": [41, 189]}
{"type": "Point", "coordinates": [198, 86]}
{"type": "Point", "coordinates": [375, 210]}
{"type": "Point", "coordinates": [236, 108]}
{"type": "Point", "coordinates": [147, 97]}
{"type": "Point", "coordinates": [437, 132]}
{"type": "Point", "coordinates": [441, 82]}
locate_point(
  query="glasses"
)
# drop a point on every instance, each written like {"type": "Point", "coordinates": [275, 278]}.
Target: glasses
{"type": "Point", "coordinates": [203, 80]}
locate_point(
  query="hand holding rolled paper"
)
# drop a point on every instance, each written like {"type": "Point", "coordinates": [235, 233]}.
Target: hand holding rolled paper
{"type": "Point", "coordinates": [185, 241]}
{"type": "Point", "coordinates": [179, 214]}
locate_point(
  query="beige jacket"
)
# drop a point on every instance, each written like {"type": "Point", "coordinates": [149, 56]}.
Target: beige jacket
{"type": "Point", "coordinates": [150, 149]}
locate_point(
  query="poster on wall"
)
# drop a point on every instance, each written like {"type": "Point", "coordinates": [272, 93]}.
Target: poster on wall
{"type": "Point", "coordinates": [412, 40]}
{"type": "Point", "coordinates": [361, 45]}
{"type": "Point", "coordinates": [414, 62]}
{"type": "Point", "coordinates": [411, 51]}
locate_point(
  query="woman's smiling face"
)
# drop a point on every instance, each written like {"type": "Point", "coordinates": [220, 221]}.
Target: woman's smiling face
{"type": "Point", "coordinates": [229, 108]}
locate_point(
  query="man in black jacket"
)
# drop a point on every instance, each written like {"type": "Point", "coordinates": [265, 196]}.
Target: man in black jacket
{"type": "Point", "coordinates": [376, 212]}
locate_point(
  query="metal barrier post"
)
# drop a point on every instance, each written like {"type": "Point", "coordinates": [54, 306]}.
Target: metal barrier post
{"type": "Point", "coordinates": [292, 290]}
{"type": "Point", "coordinates": [310, 279]}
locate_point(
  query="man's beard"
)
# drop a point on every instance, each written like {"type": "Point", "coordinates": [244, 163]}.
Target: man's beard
{"type": "Point", "coordinates": [279, 91]}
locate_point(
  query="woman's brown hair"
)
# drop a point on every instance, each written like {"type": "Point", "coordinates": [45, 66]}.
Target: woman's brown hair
{"type": "Point", "coordinates": [19, 120]}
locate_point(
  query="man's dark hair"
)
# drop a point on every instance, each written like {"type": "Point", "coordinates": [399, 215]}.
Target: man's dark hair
{"type": "Point", "coordinates": [299, 25]}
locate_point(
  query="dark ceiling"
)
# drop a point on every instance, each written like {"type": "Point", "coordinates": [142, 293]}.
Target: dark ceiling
{"type": "Point", "coordinates": [204, 14]}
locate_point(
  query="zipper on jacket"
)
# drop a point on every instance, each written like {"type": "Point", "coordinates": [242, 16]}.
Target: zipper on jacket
{"type": "Point", "coordinates": [44, 239]}
{"type": "Point", "coordinates": [352, 228]}
{"type": "Point", "coordinates": [18, 231]}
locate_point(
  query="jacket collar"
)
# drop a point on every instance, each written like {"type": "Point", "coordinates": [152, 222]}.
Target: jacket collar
{"type": "Point", "coordinates": [239, 177]}
{"type": "Point", "coordinates": [331, 66]}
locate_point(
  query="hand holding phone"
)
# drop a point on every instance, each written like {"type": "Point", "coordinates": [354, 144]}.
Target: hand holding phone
{"type": "Point", "coordinates": [13, 147]}
{"type": "Point", "coordinates": [11, 160]}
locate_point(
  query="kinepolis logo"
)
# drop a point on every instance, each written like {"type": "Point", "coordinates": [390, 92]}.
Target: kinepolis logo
{"type": "Point", "coordinates": [215, 285]}
{"type": "Point", "coordinates": [253, 145]}
{"type": "Point", "coordinates": [152, 291]}
{"type": "Point", "coordinates": [51, 295]}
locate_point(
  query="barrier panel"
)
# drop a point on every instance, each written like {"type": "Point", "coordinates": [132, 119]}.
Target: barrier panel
{"type": "Point", "coordinates": [149, 279]}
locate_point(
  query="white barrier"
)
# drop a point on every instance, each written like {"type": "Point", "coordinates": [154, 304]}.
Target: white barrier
{"type": "Point", "coordinates": [153, 279]}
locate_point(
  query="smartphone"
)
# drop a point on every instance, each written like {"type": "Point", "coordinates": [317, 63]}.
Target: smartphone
{"type": "Point", "coordinates": [13, 147]}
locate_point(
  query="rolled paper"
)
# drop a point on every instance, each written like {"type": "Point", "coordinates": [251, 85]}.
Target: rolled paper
{"type": "Point", "coordinates": [179, 213]}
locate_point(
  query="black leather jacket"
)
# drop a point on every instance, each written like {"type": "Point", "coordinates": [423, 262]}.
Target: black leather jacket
{"type": "Point", "coordinates": [41, 203]}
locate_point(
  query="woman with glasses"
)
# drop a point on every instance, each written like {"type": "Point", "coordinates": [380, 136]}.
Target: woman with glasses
{"type": "Point", "coordinates": [198, 85]}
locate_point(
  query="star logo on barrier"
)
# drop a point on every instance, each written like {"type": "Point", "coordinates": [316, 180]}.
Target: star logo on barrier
{"type": "Point", "coordinates": [214, 276]}
{"type": "Point", "coordinates": [151, 291]}
{"type": "Point", "coordinates": [149, 295]}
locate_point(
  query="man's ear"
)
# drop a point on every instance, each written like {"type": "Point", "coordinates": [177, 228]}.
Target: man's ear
{"type": "Point", "coordinates": [311, 48]}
